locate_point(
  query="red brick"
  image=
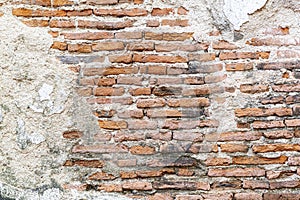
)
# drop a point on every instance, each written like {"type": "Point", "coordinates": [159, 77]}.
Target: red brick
{"type": "Point", "coordinates": [161, 11]}
{"type": "Point", "coordinates": [233, 147]}
{"type": "Point", "coordinates": [131, 114]}
{"type": "Point", "coordinates": [252, 89]}
{"type": "Point", "coordinates": [23, 12]}
{"type": "Point", "coordinates": [142, 150]}
{"type": "Point", "coordinates": [59, 45]}
{"type": "Point", "coordinates": [129, 35]}
{"type": "Point", "coordinates": [100, 148]}
{"type": "Point", "coordinates": [219, 196]}
{"type": "Point", "coordinates": [109, 71]}
{"type": "Point", "coordinates": [62, 24]}
{"type": "Point", "coordinates": [263, 112]}
{"type": "Point", "coordinates": [275, 148]}
{"type": "Point", "coordinates": [181, 185]}
{"type": "Point", "coordinates": [153, 69]}
{"type": "Point", "coordinates": [244, 160]}
{"type": "Point", "coordinates": [236, 172]}
{"type": "Point", "coordinates": [176, 22]}
{"type": "Point", "coordinates": [239, 66]}
{"type": "Point", "coordinates": [98, 176]}
{"type": "Point", "coordinates": [217, 161]}
{"type": "Point", "coordinates": [36, 23]}
{"type": "Point", "coordinates": [188, 102]}
{"type": "Point", "coordinates": [121, 12]}
{"type": "Point", "coordinates": [150, 103]}
{"type": "Point", "coordinates": [127, 58]}
{"type": "Point", "coordinates": [188, 124]}
{"type": "Point", "coordinates": [121, 136]}
{"type": "Point", "coordinates": [140, 91]}
{"type": "Point", "coordinates": [110, 187]}
{"type": "Point", "coordinates": [81, 48]}
{"type": "Point", "coordinates": [113, 125]}
{"type": "Point", "coordinates": [267, 124]}
{"type": "Point", "coordinates": [273, 100]}
{"type": "Point", "coordinates": [108, 46]}
{"type": "Point", "coordinates": [86, 12]}
{"type": "Point", "coordinates": [158, 59]}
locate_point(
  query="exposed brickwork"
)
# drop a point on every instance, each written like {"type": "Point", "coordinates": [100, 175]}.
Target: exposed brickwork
{"type": "Point", "coordinates": [153, 91]}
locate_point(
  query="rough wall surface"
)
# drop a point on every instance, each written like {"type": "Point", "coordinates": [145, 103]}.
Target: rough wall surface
{"type": "Point", "coordinates": [149, 99]}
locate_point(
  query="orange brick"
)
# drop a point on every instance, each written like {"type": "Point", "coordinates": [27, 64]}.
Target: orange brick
{"type": "Point", "coordinates": [252, 89]}
{"type": "Point", "coordinates": [121, 12]}
{"type": "Point", "coordinates": [275, 148]}
{"type": "Point", "coordinates": [142, 150]}
{"type": "Point", "coordinates": [113, 125]}
{"type": "Point", "coordinates": [88, 36]}
{"type": "Point", "coordinates": [161, 11]}
{"type": "Point", "coordinates": [108, 46]}
{"type": "Point", "coordinates": [176, 22]}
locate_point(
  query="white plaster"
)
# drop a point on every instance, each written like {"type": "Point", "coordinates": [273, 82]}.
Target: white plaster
{"type": "Point", "coordinates": [45, 91]}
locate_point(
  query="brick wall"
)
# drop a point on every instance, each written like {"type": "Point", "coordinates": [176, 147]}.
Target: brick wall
{"type": "Point", "coordinates": [179, 117]}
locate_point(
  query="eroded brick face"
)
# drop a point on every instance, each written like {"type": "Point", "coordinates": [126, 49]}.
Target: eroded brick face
{"type": "Point", "coordinates": [154, 91]}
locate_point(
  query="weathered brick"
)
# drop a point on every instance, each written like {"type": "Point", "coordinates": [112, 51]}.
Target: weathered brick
{"type": "Point", "coordinates": [293, 99]}
{"type": "Point", "coordinates": [165, 136]}
{"type": "Point", "coordinates": [286, 88]}
{"type": "Point", "coordinates": [127, 163]}
{"type": "Point", "coordinates": [62, 23]}
{"type": "Point", "coordinates": [72, 134]}
{"type": "Point", "coordinates": [102, 2]}
{"type": "Point", "coordinates": [203, 148]}
{"type": "Point", "coordinates": [234, 136]}
{"type": "Point", "coordinates": [243, 55]}
{"type": "Point", "coordinates": [292, 123]}
{"type": "Point", "coordinates": [268, 124]}
{"type": "Point", "coordinates": [188, 136]}
{"type": "Point", "coordinates": [158, 59]}
{"type": "Point", "coordinates": [199, 67]}
{"type": "Point", "coordinates": [168, 36]}
{"type": "Point", "coordinates": [142, 150]}
{"type": "Point", "coordinates": [244, 160]}
{"type": "Point", "coordinates": [166, 91]}
{"type": "Point", "coordinates": [81, 48]}
{"type": "Point", "coordinates": [185, 172]}
{"type": "Point", "coordinates": [24, 12]}
{"type": "Point", "coordinates": [108, 46]}
{"type": "Point", "coordinates": [140, 46]}
{"type": "Point", "coordinates": [131, 114]}
{"type": "Point", "coordinates": [273, 41]}
{"type": "Point", "coordinates": [98, 176]}
{"type": "Point", "coordinates": [188, 102]}
{"type": "Point", "coordinates": [277, 31]}
{"type": "Point", "coordinates": [284, 184]}
{"type": "Point", "coordinates": [223, 45]}
{"type": "Point", "coordinates": [107, 91]}
{"type": "Point", "coordinates": [288, 196]}
{"type": "Point", "coordinates": [114, 125]}
{"type": "Point", "coordinates": [153, 69]}
{"type": "Point", "coordinates": [273, 100]}
{"type": "Point", "coordinates": [102, 137]}
{"type": "Point", "coordinates": [219, 196]}
{"type": "Point", "coordinates": [239, 66]}
{"type": "Point", "coordinates": [278, 134]}
{"type": "Point", "coordinates": [214, 78]}
{"type": "Point", "coordinates": [255, 184]}
{"type": "Point", "coordinates": [110, 187]}
{"type": "Point", "coordinates": [217, 161]}
{"type": "Point", "coordinates": [36, 23]}
{"type": "Point", "coordinates": [105, 25]}
{"type": "Point", "coordinates": [169, 47]}
{"type": "Point", "coordinates": [294, 161]}
{"type": "Point", "coordinates": [227, 185]}
{"type": "Point", "coordinates": [150, 103]}
{"type": "Point", "coordinates": [158, 196]}
{"type": "Point", "coordinates": [202, 57]}
{"type": "Point", "coordinates": [236, 172]}
{"type": "Point", "coordinates": [121, 136]}
{"type": "Point", "coordinates": [161, 11]}
{"type": "Point", "coordinates": [182, 11]}
{"type": "Point", "coordinates": [137, 185]}
{"type": "Point", "coordinates": [233, 147]}
{"type": "Point", "coordinates": [263, 112]}
{"type": "Point", "coordinates": [288, 54]}
{"type": "Point", "coordinates": [176, 22]}
{"type": "Point", "coordinates": [59, 45]}
{"type": "Point", "coordinates": [85, 12]}
{"type": "Point", "coordinates": [248, 196]}
{"type": "Point", "coordinates": [57, 3]}
{"type": "Point", "coordinates": [275, 147]}
{"type": "Point", "coordinates": [278, 65]}
{"type": "Point", "coordinates": [252, 89]}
